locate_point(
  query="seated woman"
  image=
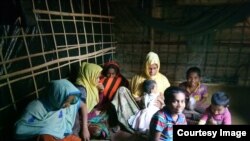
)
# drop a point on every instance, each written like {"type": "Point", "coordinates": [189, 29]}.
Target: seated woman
{"type": "Point", "coordinates": [151, 70]}
{"type": "Point", "coordinates": [196, 94]}
{"type": "Point", "coordinates": [88, 83]}
{"type": "Point", "coordinates": [51, 117]}
{"type": "Point", "coordinates": [112, 79]}
{"type": "Point", "coordinates": [126, 104]}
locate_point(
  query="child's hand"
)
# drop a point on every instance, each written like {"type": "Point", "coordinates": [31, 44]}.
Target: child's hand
{"type": "Point", "coordinates": [138, 99]}
{"type": "Point", "coordinates": [211, 121]}
{"type": "Point", "coordinates": [85, 134]}
{"type": "Point", "coordinates": [160, 101]}
{"type": "Point", "coordinates": [191, 104]}
{"type": "Point", "coordinates": [66, 104]}
{"type": "Point", "coordinates": [68, 101]}
{"type": "Point", "coordinates": [97, 112]}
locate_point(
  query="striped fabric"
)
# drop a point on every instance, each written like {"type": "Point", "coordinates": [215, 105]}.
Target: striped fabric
{"type": "Point", "coordinates": [111, 84]}
{"type": "Point", "coordinates": [162, 122]}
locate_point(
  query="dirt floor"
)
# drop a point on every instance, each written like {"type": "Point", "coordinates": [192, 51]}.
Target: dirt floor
{"type": "Point", "coordinates": [239, 103]}
{"type": "Point", "coordinates": [239, 107]}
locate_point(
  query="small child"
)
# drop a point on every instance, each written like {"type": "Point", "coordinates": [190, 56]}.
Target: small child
{"type": "Point", "coordinates": [161, 125]}
{"type": "Point", "coordinates": [140, 121]}
{"type": "Point", "coordinates": [217, 113]}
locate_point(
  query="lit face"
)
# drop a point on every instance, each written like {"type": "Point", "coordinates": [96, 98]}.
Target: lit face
{"type": "Point", "coordinates": [153, 69]}
{"type": "Point", "coordinates": [178, 103]}
{"type": "Point", "coordinates": [111, 72]}
{"type": "Point", "coordinates": [193, 79]}
{"type": "Point", "coordinates": [217, 109]}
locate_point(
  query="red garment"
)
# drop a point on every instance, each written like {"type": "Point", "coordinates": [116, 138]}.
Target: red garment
{"type": "Point", "coordinates": [111, 84]}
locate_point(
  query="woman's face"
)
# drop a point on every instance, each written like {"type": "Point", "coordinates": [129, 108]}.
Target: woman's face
{"type": "Point", "coordinates": [193, 79]}
{"type": "Point", "coordinates": [178, 104]}
{"type": "Point", "coordinates": [111, 72]}
{"type": "Point", "coordinates": [153, 69]}
{"type": "Point", "coordinates": [98, 79]}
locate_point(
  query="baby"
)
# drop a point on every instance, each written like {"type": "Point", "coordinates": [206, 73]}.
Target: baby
{"type": "Point", "coordinates": [217, 113]}
{"type": "Point", "coordinates": [140, 121]}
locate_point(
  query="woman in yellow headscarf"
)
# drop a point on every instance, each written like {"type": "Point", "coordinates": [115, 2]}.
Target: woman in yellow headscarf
{"type": "Point", "coordinates": [88, 77]}
{"type": "Point", "coordinates": [88, 83]}
{"type": "Point", "coordinates": [126, 101]}
{"type": "Point", "coordinates": [151, 69]}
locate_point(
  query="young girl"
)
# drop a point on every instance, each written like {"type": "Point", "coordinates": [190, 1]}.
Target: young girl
{"type": "Point", "coordinates": [140, 121]}
{"type": "Point", "coordinates": [217, 113]}
{"type": "Point", "coordinates": [161, 125]}
{"type": "Point", "coordinates": [196, 95]}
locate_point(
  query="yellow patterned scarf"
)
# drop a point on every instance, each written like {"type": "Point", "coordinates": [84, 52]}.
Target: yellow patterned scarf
{"type": "Point", "coordinates": [87, 77]}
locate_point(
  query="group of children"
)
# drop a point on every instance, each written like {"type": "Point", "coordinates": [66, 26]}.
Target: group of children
{"type": "Point", "coordinates": [181, 105]}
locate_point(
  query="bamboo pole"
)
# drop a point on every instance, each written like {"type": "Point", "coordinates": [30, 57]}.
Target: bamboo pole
{"type": "Point", "coordinates": [54, 38]}
{"type": "Point", "coordinates": [62, 48]}
{"type": "Point", "coordinates": [101, 31]}
{"type": "Point", "coordinates": [84, 29]}
{"type": "Point", "coordinates": [44, 68]}
{"type": "Point", "coordinates": [30, 62]}
{"type": "Point", "coordinates": [58, 60]}
{"type": "Point", "coordinates": [8, 80]}
{"type": "Point", "coordinates": [68, 20]}
{"type": "Point", "coordinates": [50, 34]}
{"type": "Point", "coordinates": [41, 39]}
{"type": "Point", "coordinates": [28, 95]}
{"type": "Point", "coordinates": [71, 14]}
{"type": "Point", "coordinates": [51, 69]}
{"type": "Point", "coordinates": [92, 27]}
{"type": "Point", "coordinates": [65, 38]}
{"type": "Point", "coordinates": [77, 38]}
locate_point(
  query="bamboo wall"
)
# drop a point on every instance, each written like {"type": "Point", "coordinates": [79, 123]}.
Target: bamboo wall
{"type": "Point", "coordinates": [65, 33]}
{"type": "Point", "coordinates": [225, 60]}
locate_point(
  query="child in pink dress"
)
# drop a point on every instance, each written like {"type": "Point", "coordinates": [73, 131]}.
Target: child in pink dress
{"type": "Point", "coordinates": [217, 113]}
